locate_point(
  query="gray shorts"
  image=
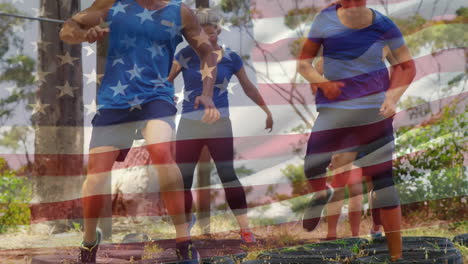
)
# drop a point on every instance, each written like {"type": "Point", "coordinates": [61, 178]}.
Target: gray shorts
{"type": "Point", "coordinates": [120, 127]}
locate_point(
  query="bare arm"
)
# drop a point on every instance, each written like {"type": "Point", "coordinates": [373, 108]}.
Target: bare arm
{"type": "Point", "coordinates": [252, 92]}
{"type": "Point", "coordinates": [305, 67]}
{"type": "Point", "coordinates": [402, 74]}
{"type": "Point", "coordinates": [197, 38]}
{"type": "Point", "coordinates": [85, 25]}
{"type": "Point", "coordinates": [175, 70]}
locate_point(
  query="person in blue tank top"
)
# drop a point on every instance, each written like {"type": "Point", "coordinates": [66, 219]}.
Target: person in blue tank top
{"type": "Point", "coordinates": [356, 100]}
{"type": "Point", "coordinates": [136, 94]}
{"type": "Point", "coordinates": [193, 135]}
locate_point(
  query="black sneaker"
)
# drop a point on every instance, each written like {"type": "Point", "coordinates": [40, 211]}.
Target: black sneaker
{"type": "Point", "coordinates": [187, 253]}
{"type": "Point", "coordinates": [313, 212]}
{"type": "Point", "coordinates": [88, 253]}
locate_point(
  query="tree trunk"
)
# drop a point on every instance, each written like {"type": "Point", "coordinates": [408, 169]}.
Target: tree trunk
{"type": "Point", "coordinates": [58, 118]}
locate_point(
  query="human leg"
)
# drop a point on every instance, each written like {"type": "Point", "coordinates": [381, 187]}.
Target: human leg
{"type": "Point", "coordinates": [355, 200]}
{"type": "Point", "coordinates": [342, 165]}
{"type": "Point", "coordinates": [375, 212]}
{"type": "Point", "coordinates": [106, 144]}
{"type": "Point", "coordinates": [203, 202]}
{"type": "Point", "coordinates": [158, 136]}
{"type": "Point", "coordinates": [188, 149]}
{"type": "Point", "coordinates": [384, 195]}
{"type": "Point", "coordinates": [221, 147]}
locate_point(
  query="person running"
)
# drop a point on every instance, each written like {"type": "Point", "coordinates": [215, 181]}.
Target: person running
{"type": "Point", "coordinates": [349, 176]}
{"type": "Point", "coordinates": [193, 135]}
{"type": "Point", "coordinates": [356, 101]}
{"type": "Point", "coordinates": [135, 94]}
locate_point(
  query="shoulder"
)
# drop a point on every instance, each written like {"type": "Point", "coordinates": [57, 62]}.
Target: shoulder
{"type": "Point", "coordinates": [102, 5]}
{"type": "Point", "coordinates": [187, 50]}
{"type": "Point", "coordinates": [233, 55]}
{"type": "Point", "coordinates": [383, 20]}
{"type": "Point", "coordinates": [326, 13]}
{"type": "Point", "coordinates": [186, 12]}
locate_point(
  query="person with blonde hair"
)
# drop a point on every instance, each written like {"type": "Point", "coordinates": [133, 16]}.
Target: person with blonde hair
{"type": "Point", "coordinates": [193, 135]}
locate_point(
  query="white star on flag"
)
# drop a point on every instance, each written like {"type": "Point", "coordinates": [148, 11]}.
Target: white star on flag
{"type": "Point", "coordinates": [225, 26]}
{"type": "Point", "coordinates": [183, 61]}
{"type": "Point", "coordinates": [135, 103]}
{"type": "Point", "coordinates": [119, 8]}
{"type": "Point", "coordinates": [180, 95]}
{"type": "Point", "coordinates": [129, 42]}
{"type": "Point", "coordinates": [66, 59]}
{"type": "Point", "coordinates": [42, 45]}
{"type": "Point", "coordinates": [207, 72]}
{"type": "Point", "coordinates": [66, 90]}
{"type": "Point", "coordinates": [187, 95]}
{"type": "Point", "coordinates": [40, 76]}
{"type": "Point", "coordinates": [17, 28]}
{"type": "Point", "coordinates": [156, 50]}
{"type": "Point", "coordinates": [201, 39]}
{"type": "Point", "coordinates": [226, 86]}
{"type": "Point", "coordinates": [89, 50]}
{"type": "Point", "coordinates": [119, 89]}
{"type": "Point", "coordinates": [35, 12]}
{"type": "Point", "coordinates": [38, 107]}
{"type": "Point", "coordinates": [93, 77]}
{"type": "Point", "coordinates": [118, 58]}
{"type": "Point", "coordinates": [219, 55]}
{"type": "Point", "coordinates": [174, 30]}
{"type": "Point", "coordinates": [135, 72]}
{"type": "Point", "coordinates": [93, 107]}
{"type": "Point", "coordinates": [146, 15]}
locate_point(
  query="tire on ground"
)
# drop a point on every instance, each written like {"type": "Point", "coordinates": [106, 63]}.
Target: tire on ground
{"type": "Point", "coordinates": [289, 261]}
{"type": "Point", "coordinates": [411, 243]}
{"type": "Point", "coordinates": [419, 257]}
{"type": "Point", "coordinates": [71, 260]}
{"type": "Point", "coordinates": [461, 239]}
{"type": "Point", "coordinates": [307, 254]}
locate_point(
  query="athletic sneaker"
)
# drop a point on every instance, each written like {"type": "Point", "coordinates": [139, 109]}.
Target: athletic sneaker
{"type": "Point", "coordinates": [313, 212]}
{"type": "Point", "coordinates": [187, 253]}
{"type": "Point", "coordinates": [87, 252]}
{"type": "Point", "coordinates": [247, 236]}
{"type": "Point", "coordinates": [375, 234]}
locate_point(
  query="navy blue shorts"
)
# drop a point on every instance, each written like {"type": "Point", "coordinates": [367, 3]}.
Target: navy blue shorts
{"type": "Point", "coordinates": [119, 127]}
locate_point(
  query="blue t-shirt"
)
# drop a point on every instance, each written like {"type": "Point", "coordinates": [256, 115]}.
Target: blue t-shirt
{"type": "Point", "coordinates": [355, 57]}
{"type": "Point", "coordinates": [230, 64]}
{"type": "Point", "coordinates": [141, 49]}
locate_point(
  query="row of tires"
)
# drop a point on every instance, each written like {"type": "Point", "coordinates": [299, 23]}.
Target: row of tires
{"type": "Point", "coordinates": [421, 250]}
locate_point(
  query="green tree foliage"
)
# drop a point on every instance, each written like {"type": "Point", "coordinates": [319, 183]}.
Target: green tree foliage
{"type": "Point", "coordinates": [431, 164]}
{"type": "Point", "coordinates": [15, 193]}
{"type": "Point", "coordinates": [15, 68]}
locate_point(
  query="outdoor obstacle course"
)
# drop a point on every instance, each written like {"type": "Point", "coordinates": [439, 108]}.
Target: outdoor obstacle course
{"type": "Point", "coordinates": [351, 250]}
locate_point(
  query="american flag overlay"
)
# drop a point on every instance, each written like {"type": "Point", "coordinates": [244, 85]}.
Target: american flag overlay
{"type": "Point", "coordinates": [52, 93]}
